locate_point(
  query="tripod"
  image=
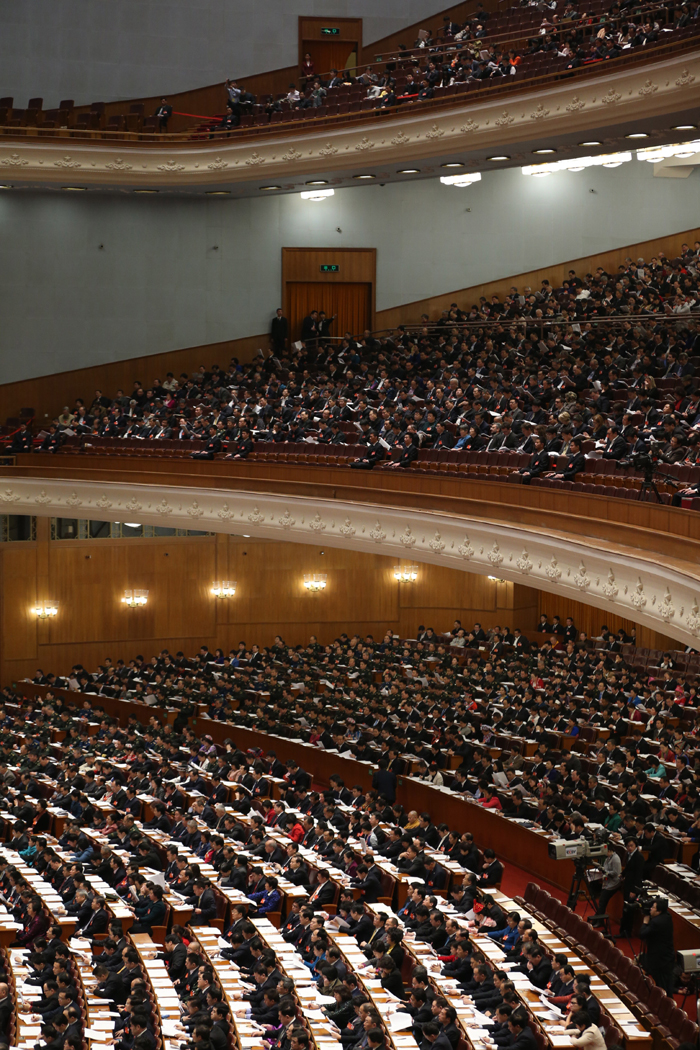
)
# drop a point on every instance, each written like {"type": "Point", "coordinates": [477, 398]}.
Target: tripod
{"type": "Point", "coordinates": [649, 484]}
{"type": "Point", "coordinates": [578, 891]}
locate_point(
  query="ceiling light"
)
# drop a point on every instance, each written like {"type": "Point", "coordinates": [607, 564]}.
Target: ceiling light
{"type": "Point", "coordinates": [317, 182]}
{"type": "Point", "coordinates": [218, 193]}
{"type": "Point", "coordinates": [4, 186]}
{"type": "Point", "coordinates": [408, 171]}
{"type": "Point", "coordinates": [683, 127]}
{"type": "Point", "coordinates": [504, 156]}
{"type": "Point", "coordinates": [538, 151]}
{"type": "Point", "coordinates": [452, 164]}
{"type": "Point", "coordinates": [316, 195]}
{"type": "Point", "coordinates": [592, 142]}
{"type": "Point", "coordinates": [146, 191]}
{"type": "Point", "coordinates": [246, 535]}
{"type": "Point", "coordinates": [653, 154]}
{"type": "Point", "coordinates": [73, 189]}
{"type": "Point", "coordinates": [270, 187]}
{"type": "Point", "coordinates": [364, 176]}
{"type": "Point", "coordinates": [461, 180]}
{"type": "Point", "coordinates": [606, 160]}
{"type": "Point", "coordinates": [637, 135]}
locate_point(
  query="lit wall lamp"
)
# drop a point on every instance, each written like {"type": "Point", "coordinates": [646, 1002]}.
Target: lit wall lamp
{"type": "Point", "coordinates": [496, 579]}
{"type": "Point", "coordinates": [315, 581]}
{"type": "Point", "coordinates": [406, 573]}
{"type": "Point", "coordinates": [224, 588]}
{"type": "Point", "coordinates": [46, 609]}
{"type": "Point", "coordinates": [135, 599]}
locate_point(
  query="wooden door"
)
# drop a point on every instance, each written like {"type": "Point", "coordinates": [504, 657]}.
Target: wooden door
{"type": "Point", "coordinates": [351, 302]}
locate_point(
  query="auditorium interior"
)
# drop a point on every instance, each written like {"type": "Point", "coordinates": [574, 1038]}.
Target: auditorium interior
{"type": "Point", "coordinates": [294, 758]}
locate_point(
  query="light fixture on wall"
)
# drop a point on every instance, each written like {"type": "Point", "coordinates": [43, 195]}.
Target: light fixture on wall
{"type": "Point", "coordinates": [317, 195]}
{"type": "Point", "coordinates": [135, 599]}
{"type": "Point", "coordinates": [406, 573]}
{"type": "Point", "coordinates": [45, 609]}
{"type": "Point", "coordinates": [223, 588]}
{"type": "Point", "coordinates": [461, 180]}
{"type": "Point", "coordinates": [315, 581]}
{"type": "Point", "coordinates": [496, 579]}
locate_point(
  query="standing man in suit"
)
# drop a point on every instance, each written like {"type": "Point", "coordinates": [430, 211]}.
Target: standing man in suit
{"type": "Point", "coordinates": [279, 330]}
{"type": "Point", "coordinates": [164, 113]}
{"type": "Point", "coordinates": [632, 877]}
{"type": "Point", "coordinates": [309, 328]}
{"type": "Point", "coordinates": [660, 956]}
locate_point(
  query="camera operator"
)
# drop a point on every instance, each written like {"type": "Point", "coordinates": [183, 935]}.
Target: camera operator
{"type": "Point", "coordinates": [659, 958]}
{"type": "Point", "coordinates": [612, 880]}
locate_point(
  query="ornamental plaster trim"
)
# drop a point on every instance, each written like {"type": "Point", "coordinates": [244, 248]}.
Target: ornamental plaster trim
{"type": "Point", "coordinates": [658, 596]}
{"type": "Point", "coordinates": [649, 89]}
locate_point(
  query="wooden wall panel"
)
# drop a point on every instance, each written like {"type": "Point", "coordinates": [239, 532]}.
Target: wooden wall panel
{"type": "Point", "coordinates": [409, 313]}
{"type": "Point", "coordinates": [48, 394]}
{"type": "Point", "coordinates": [19, 594]}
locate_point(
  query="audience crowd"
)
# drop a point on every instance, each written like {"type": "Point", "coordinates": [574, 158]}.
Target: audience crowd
{"type": "Point", "coordinates": [604, 365]}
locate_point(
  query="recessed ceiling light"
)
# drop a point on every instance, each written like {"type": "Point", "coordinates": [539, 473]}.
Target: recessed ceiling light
{"type": "Point", "coordinates": [408, 171]}
{"type": "Point", "coordinates": [218, 193]}
{"type": "Point", "coordinates": [270, 187]}
{"type": "Point", "coordinates": [146, 191]}
{"type": "Point", "coordinates": [637, 135]}
{"type": "Point", "coordinates": [591, 142]}
{"type": "Point", "coordinates": [503, 156]}
{"type": "Point", "coordinates": [317, 182]}
{"type": "Point", "coordinates": [542, 151]}
{"type": "Point", "coordinates": [683, 127]}
{"type": "Point", "coordinates": [364, 176]}
{"type": "Point", "coordinates": [246, 535]}
{"type": "Point", "coordinates": [452, 164]}
{"type": "Point", "coordinates": [4, 186]}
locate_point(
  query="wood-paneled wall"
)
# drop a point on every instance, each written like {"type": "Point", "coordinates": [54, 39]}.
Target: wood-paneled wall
{"type": "Point", "coordinates": [409, 313]}
{"type": "Point", "coordinates": [48, 394]}
{"type": "Point", "coordinates": [88, 579]}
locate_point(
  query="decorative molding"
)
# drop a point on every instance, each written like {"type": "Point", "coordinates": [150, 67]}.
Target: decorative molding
{"type": "Point", "coordinates": [412, 134]}
{"type": "Point", "coordinates": [120, 165]}
{"type": "Point", "coordinates": [540, 113]}
{"type": "Point", "coordinates": [570, 567]}
{"type": "Point", "coordinates": [575, 105]}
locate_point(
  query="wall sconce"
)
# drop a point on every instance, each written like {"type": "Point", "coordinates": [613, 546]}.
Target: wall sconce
{"type": "Point", "coordinates": [135, 599]}
{"type": "Point", "coordinates": [224, 588]}
{"type": "Point", "coordinates": [315, 581]}
{"type": "Point", "coordinates": [46, 609]}
{"type": "Point", "coordinates": [406, 573]}
{"type": "Point", "coordinates": [496, 579]}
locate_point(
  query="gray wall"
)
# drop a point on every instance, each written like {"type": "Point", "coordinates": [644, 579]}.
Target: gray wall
{"type": "Point", "coordinates": [159, 284]}
{"type": "Point", "coordinates": [106, 50]}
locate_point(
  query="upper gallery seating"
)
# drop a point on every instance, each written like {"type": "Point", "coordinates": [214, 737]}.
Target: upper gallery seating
{"type": "Point", "coordinates": [609, 360]}
{"type": "Point", "coordinates": [494, 50]}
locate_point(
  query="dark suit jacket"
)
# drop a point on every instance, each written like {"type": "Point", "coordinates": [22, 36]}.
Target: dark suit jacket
{"type": "Point", "coordinates": [573, 466]}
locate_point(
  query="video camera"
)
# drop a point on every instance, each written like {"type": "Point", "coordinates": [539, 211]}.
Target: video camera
{"type": "Point", "coordinates": [575, 849]}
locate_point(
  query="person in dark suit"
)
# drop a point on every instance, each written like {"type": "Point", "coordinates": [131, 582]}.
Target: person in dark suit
{"type": "Point", "coordinates": [659, 957]}
{"type": "Point", "coordinates": [539, 462]}
{"type": "Point", "coordinates": [574, 464]}
{"type": "Point", "coordinates": [309, 327]}
{"type": "Point", "coordinates": [323, 893]}
{"type": "Point", "coordinates": [615, 445]}
{"type": "Point", "coordinates": [164, 113]}
{"type": "Point", "coordinates": [391, 978]}
{"type": "Point", "coordinates": [211, 448]}
{"type": "Point", "coordinates": [97, 921]}
{"type": "Point", "coordinates": [384, 781]}
{"type": "Point", "coordinates": [404, 454]}
{"type": "Point", "coordinates": [523, 1036]}
{"type": "Point", "coordinates": [5, 1011]}
{"type": "Point", "coordinates": [368, 883]}
{"type": "Point", "coordinates": [174, 956]}
{"type": "Point", "coordinates": [279, 329]}
{"type": "Point", "coordinates": [433, 1038]}
{"type": "Point", "coordinates": [632, 878]}
{"type": "Point", "coordinates": [203, 903]}
{"type": "Point", "coordinates": [151, 912]}
{"type": "Point", "coordinates": [375, 454]}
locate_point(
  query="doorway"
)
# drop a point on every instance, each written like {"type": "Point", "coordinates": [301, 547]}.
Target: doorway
{"type": "Point", "coordinates": [349, 302]}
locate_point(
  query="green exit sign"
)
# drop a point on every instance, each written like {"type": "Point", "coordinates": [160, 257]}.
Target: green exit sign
{"type": "Point", "coordinates": [330, 268]}
{"type": "Point", "coordinates": [329, 32]}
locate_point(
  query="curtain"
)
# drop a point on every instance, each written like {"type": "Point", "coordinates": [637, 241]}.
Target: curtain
{"type": "Point", "coordinates": [329, 54]}
{"type": "Point", "coordinates": [351, 302]}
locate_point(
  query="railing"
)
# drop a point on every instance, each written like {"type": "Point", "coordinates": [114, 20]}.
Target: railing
{"type": "Point", "coordinates": [307, 119]}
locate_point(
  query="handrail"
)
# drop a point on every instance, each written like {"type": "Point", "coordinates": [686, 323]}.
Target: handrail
{"type": "Point", "coordinates": [487, 90]}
